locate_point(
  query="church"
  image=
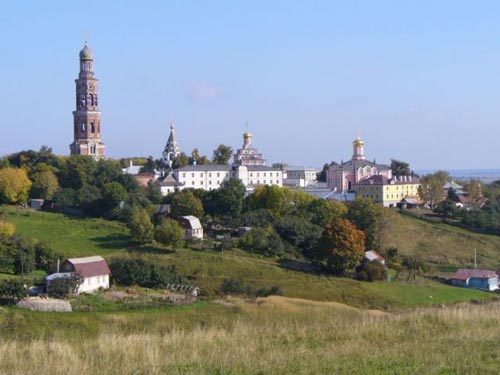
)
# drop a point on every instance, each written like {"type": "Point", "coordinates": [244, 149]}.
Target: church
{"type": "Point", "coordinates": [344, 176]}
{"type": "Point", "coordinates": [87, 118]}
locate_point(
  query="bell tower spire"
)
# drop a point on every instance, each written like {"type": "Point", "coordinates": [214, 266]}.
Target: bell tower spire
{"type": "Point", "coordinates": [87, 118]}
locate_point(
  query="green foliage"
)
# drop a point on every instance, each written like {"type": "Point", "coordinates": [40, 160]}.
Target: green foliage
{"type": "Point", "coordinates": [45, 182]}
{"type": "Point", "coordinates": [7, 229]}
{"type": "Point", "coordinates": [12, 289]}
{"type": "Point", "coordinates": [258, 218]}
{"type": "Point", "coordinates": [77, 171]}
{"type": "Point", "coordinates": [222, 154]}
{"type": "Point", "coordinates": [169, 233]}
{"type": "Point", "coordinates": [140, 225]}
{"type": "Point", "coordinates": [113, 193]}
{"type": "Point", "coordinates": [262, 241]}
{"type": "Point", "coordinates": [366, 216]}
{"type": "Point", "coordinates": [197, 158]}
{"type": "Point", "coordinates": [299, 233]}
{"type": "Point", "coordinates": [322, 175]}
{"type": "Point", "coordinates": [46, 257]}
{"type": "Point", "coordinates": [153, 193]}
{"type": "Point", "coordinates": [227, 200]}
{"type": "Point", "coordinates": [14, 185]}
{"type": "Point", "coordinates": [400, 168]}
{"type": "Point", "coordinates": [342, 245]}
{"type": "Point", "coordinates": [186, 203]}
{"type": "Point", "coordinates": [24, 256]}
{"type": "Point", "coordinates": [136, 271]}
{"type": "Point", "coordinates": [431, 187]}
{"type": "Point", "coordinates": [65, 286]}
{"type": "Point", "coordinates": [322, 211]}
{"type": "Point", "coordinates": [447, 208]}
{"type": "Point", "coordinates": [371, 271]}
{"type": "Point", "coordinates": [234, 286]}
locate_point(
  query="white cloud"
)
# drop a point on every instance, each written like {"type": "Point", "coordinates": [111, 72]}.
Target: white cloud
{"type": "Point", "coordinates": [205, 91]}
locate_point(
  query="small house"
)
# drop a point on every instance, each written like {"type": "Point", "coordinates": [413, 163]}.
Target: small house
{"type": "Point", "coordinates": [192, 227]}
{"type": "Point", "coordinates": [372, 255]}
{"type": "Point", "coordinates": [94, 271]}
{"type": "Point", "coordinates": [476, 279]}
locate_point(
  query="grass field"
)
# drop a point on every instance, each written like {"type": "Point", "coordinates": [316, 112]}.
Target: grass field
{"type": "Point", "coordinates": [276, 335]}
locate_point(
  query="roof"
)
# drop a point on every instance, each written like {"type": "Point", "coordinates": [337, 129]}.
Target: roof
{"type": "Point", "coordinates": [258, 168]}
{"type": "Point", "coordinates": [86, 53]}
{"type": "Point", "coordinates": [452, 185]}
{"type": "Point", "coordinates": [194, 222]}
{"type": "Point", "coordinates": [89, 266]}
{"type": "Point", "coordinates": [382, 180]}
{"type": "Point", "coordinates": [410, 200]}
{"type": "Point", "coordinates": [373, 255]}
{"type": "Point", "coordinates": [360, 163]}
{"type": "Point", "coordinates": [58, 275]}
{"type": "Point", "coordinates": [170, 181]}
{"type": "Point", "coordinates": [204, 167]}
{"type": "Point", "coordinates": [467, 273]}
{"type": "Point", "coordinates": [132, 169]}
{"type": "Point", "coordinates": [295, 168]}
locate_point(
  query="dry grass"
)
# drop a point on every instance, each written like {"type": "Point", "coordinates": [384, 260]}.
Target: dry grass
{"type": "Point", "coordinates": [272, 336]}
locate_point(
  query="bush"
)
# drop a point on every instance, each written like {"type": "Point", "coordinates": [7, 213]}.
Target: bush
{"type": "Point", "coordinates": [371, 271]}
{"type": "Point", "coordinates": [239, 287]}
{"type": "Point", "coordinates": [262, 241]}
{"type": "Point", "coordinates": [136, 271]}
{"type": "Point", "coordinates": [12, 290]}
{"type": "Point", "coordinates": [65, 286]}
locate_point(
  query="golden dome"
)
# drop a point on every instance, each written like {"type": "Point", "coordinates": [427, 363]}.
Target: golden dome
{"type": "Point", "coordinates": [358, 142]}
{"type": "Point", "coordinates": [247, 135]}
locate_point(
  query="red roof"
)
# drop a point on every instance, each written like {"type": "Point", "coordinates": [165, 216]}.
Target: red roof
{"type": "Point", "coordinates": [87, 267]}
{"type": "Point", "coordinates": [467, 273]}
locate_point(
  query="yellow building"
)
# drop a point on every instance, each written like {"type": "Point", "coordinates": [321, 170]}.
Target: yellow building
{"type": "Point", "coordinates": [388, 192]}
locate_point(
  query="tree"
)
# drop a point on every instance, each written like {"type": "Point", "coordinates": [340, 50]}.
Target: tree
{"type": "Point", "coordinates": [431, 187]}
{"type": "Point", "coordinates": [366, 215]}
{"type": "Point", "coordinates": [262, 241]}
{"type": "Point", "coordinates": [272, 198]}
{"type": "Point", "coordinates": [228, 199]}
{"type": "Point", "coordinates": [24, 256]}
{"type": "Point", "coordinates": [105, 172]}
{"type": "Point", "coordinates": [299, 233]}
{"type": "Point", "coordinates": [323, 211]}
{"type": "Point", "coordinates": [180, 161]}
{"type": "Point", "coordinates": [342, 245]}
{"type": "Point", "coordinates": [473, 187]}
{"type": "Point", "coordinates": [371, 271]}
{"type": "Point", "coordinates": [77, 171]}
{"type": "Point", "coordinates": [45, 182]}
{"type": "Point", "coordinates": [139, 224]}
{"type": "Point", "coordinates": [169, 233]}
{"type": "Point", "coordinates": [322, 175]}
{"type": "Point", "coordinates": [45, 257]}
{"type": "Point", "coordinates": [186, 203]}
{"type": "Point", "coordinates": [153, 193]}
{"type": "Point", "coordinates": [14, 185]}
{"type": "Point", "coordinates": [447, 208]}
{"type": "Point", "coordinates": [113, 193]}
{"type": "Point", "coordinates": [222, 154]}
{"type": "Point", "coordinates": [400, 168]}
{"type": "Point", "coordinates": [197, 158]}
{"type": "Point", "coordinates": [7, 229]}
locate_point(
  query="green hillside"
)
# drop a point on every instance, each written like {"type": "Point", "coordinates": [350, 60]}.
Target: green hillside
{"type": "Point", "coordinates": [207, 269]}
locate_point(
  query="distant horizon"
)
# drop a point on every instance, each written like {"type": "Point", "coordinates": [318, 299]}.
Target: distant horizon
{"type": "Point", "coordinates": [418, 80]}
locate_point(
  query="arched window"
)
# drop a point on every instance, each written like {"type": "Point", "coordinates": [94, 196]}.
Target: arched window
{"type": "Point", "coordinates": [91, 96]}
{"type": "Point", "coordinates": [83, 127]}
{"type": "Point", "coordinates": [92, 128]}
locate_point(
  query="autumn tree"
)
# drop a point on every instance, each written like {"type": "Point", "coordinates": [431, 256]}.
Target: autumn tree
{"type": "Point", "coordinates": [7, 229]}
{"type": "Point", "coordinates": [222, 154]}
{"type": "Point", "coordinates": [14, 185]}
{"type": "Point", "coordinates": [342, 246]}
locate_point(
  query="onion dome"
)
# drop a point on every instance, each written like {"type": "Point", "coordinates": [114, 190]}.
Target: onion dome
{"type": "Point", "coordinates": [86, 53]}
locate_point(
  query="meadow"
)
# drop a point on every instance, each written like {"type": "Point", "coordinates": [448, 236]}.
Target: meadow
{"type": "Point", "coordinates": [275, 335]}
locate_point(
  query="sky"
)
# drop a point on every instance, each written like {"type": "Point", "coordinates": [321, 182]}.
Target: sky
{"type": "Point", "coordinates": [419, 80]}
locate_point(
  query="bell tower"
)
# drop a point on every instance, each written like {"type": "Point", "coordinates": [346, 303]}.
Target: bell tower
{"type": "Point", "coordinates": [87, 118]}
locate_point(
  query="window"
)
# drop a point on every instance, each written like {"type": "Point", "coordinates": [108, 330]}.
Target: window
{"type": "Point", "coordinates": [210, 175]}
{"type": "Point", "coordinates": [192, 174]}
{"type": "Point", "coordinates": [218, 174]}
{"type": "Point", "coordinates": [201, 175]}
{"type": "Point", "coordinates": [83, 127]}
{"type": "Point", "coordinates": [192, 182]}
{"type": "Point", "coordinates": [183, 175]}
{"type": "Point", "coordinates": [92, 127]}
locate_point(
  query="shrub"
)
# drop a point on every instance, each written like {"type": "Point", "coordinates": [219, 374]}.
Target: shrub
{"type": "Point", "coordinates": [12, 290]}
{"type": "Point", "coordinates": [136, 271]}
{"type": "Point", "coordinates": [65, 286]}
{"type": "Point", "coordinates": [239, 287]}
{"type": "Point", "coordinates": [371, 271]}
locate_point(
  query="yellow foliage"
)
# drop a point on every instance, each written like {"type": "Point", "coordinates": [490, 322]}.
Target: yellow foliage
{"type": "Point", "coordinates": [7, 229]}
{"type": "Point", "coordinates": [14, 185]}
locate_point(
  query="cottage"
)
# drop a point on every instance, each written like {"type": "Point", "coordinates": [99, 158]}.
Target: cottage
{"type": "Point", "coordinates": [192, 227]}
{"type": "Point", "coordinates": [372, 255]}
{"type": "Point", "coordinates": [93, 270]}
{"type": "Point", "coordinates": [476, 279]}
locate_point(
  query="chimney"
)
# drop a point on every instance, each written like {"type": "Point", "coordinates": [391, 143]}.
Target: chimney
{"type": "Point", "coordinates": [58, 264]}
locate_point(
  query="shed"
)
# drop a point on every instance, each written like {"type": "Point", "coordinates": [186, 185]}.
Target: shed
{"type": "Point", "coordinates": [372, 255]}
{"type": "Point", "coordinates": [192, 227]}
{"type": "Point", "coordinates": [36, 204]}
{"type": "Point", "coordinates": [475, 278]}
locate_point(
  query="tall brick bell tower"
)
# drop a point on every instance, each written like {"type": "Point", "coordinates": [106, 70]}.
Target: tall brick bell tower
{"type": "Point", "coordinates": [87, 118]}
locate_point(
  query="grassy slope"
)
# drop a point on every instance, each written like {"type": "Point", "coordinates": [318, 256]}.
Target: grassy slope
{"type": "Point", "coordinates": [444, 245]}
{"type": "Point", "coordinates": [207, 269]}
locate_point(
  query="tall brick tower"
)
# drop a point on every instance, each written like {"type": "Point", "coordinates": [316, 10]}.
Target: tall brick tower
{"type": "Point", "coordinates": [87, 118]}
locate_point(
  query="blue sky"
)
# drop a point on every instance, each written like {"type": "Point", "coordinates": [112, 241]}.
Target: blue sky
{"type": "Point", "coordinates": [419, 79]}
